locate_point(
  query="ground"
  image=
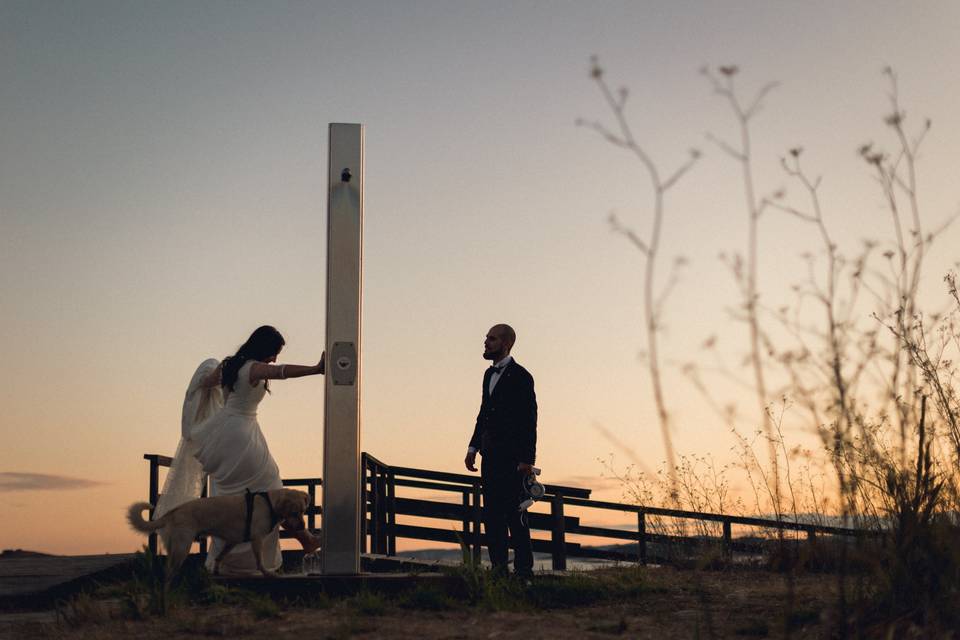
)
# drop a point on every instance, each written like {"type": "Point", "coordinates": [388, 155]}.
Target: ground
{"type": "Point", "coordinates": [665, 603]}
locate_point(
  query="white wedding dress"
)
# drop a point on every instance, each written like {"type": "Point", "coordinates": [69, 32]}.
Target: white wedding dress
{"type": "Point", "coordinates": [233, 452]}
{"type": "Point", "coordinates": [184, 480]}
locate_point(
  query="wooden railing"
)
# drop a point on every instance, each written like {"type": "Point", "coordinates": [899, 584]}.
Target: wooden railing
{"type": "Point", "coordinates": [382, 505]}
{"type": "Point", "coordinates": [380, 483]}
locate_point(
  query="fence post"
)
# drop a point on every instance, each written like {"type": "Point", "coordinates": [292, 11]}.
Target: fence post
{"type": "Point", "coordinates": [642, 535]}
{"type": "Point", "coordinates": [369, 510]}
{"type": "Point", "coordinates": [204, 492]}
{"type": "Point", "coordinates": [477, 517]}
{"type": "Point", "coordinates": [154, 494]}
{"type": "Point", "coordinates": [364, 506]}
{"type": "Point", "coordinates": [558, 534]}
{"type": "Point", "coordinates": [467, 537]}
{"type": "Point", "coordinates": [727, 539]}
{"type": "Point", "coordinates": [382, 511]}
{"type": "Point", "coordinates": [391, 514]}
{"type": "Point", "coordinates": [376, 505]}
{"type": "Point", "coordinates": [312, 517]}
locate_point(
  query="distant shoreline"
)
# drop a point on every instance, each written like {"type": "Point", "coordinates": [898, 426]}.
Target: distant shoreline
{"type": "Point", "coordinates": [23, 553]}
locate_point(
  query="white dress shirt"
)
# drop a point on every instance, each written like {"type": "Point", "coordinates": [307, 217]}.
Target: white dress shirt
{"type": "Point", "coordinates": [495, 378]}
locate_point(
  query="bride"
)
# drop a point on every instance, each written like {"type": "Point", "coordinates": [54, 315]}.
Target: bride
{"type": "Point", "coordinates": [228, 443]}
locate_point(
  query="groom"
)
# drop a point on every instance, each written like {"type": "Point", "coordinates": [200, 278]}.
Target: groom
{"type": "Point", "coordinates": [506, 436]}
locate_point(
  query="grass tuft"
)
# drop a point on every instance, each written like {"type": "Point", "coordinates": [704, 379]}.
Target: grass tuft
{"type": "Point", "coordinates": [262, 607]}
{"type": "Point", "coordinates": [427, 598]}
{"type": "Point", "coordinates": [368, 603]}
{"type": "Point", "coordinates": [81, 610]}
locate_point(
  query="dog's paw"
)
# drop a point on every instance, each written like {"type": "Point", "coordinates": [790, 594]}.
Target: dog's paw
{"type": "Point", "coordinates": [311, 545]}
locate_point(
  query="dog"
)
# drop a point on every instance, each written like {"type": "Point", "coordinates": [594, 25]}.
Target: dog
{"type": "Point", "coordinates": [225, 517]}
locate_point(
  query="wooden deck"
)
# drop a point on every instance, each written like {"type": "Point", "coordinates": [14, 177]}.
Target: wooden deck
{"type": "Point", "coordinates": [37, 582]}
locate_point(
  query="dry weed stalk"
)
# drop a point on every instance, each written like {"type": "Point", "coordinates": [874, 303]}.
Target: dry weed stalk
{"type": "Point", "coordinates": [746, 275]}
{"type": "Point", "coordinates": [653, 300]}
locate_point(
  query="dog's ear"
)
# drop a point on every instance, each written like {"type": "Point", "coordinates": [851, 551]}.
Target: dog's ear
{"type": "Point", "coordinates": [293, 502]}
{"type": "Point", "coordinates": [287, 504]}
{"type": "Point", "coordinates": [301, 499]}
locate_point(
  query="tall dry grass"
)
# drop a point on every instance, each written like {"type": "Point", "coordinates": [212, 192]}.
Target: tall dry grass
{"type": "Point", "coordinates": [856, 359]}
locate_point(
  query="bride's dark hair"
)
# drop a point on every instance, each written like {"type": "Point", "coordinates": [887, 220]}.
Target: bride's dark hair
{"type": "Point", "coordinates": [263, 343]}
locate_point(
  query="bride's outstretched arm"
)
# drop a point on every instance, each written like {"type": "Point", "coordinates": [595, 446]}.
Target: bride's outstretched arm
{"type": "Point", "coordinates": [260, 371]}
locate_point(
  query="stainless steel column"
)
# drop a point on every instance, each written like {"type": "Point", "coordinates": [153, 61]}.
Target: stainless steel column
{"type": "Point", "coordinates": [341, 433]}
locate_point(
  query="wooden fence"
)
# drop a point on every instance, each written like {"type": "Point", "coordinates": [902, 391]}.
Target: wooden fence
{"type": "Point", "coordinates": [381, 482]}
{"type": "Point", "coordinates": [462, 517]}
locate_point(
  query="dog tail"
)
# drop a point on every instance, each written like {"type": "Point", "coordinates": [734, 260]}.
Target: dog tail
{"type": "Point", "coordinates": [135, 518]}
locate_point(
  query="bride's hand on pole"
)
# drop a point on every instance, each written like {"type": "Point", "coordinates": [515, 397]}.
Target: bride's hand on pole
{"type": "Point", "coordinates": [262, 371]}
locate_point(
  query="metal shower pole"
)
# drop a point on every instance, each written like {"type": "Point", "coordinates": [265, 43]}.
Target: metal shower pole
{"type": "Point", "coordinates": [342, 510]}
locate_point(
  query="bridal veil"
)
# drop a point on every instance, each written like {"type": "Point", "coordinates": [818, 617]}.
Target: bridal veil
{"type": "Point", "coordinates": [185, 479]}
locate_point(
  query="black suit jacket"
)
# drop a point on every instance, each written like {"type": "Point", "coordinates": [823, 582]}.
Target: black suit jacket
{"type": "Point", "coordinates": [507, 422]}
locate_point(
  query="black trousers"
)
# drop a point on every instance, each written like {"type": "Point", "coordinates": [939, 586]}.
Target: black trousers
{"type": "Point", "coordinates": [502, 484]}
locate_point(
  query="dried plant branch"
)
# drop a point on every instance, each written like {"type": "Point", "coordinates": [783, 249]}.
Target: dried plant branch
{"type": "Point", "coordinates": [748, 275]}
{"type": "Point", "coordinates": [653, 302]}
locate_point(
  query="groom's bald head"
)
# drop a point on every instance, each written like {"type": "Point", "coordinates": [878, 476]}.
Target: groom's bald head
{"type": "Point", "coordinates": [498, 342]}
{"type": "Point", "coordinates": [506, 333]}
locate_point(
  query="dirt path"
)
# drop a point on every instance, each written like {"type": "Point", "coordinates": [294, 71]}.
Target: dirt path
{"type": "Point", "coordinates": [672, 604]}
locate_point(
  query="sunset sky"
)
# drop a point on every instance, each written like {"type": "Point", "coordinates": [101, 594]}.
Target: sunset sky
{"type": "Point", "coordinates": [163, 192]}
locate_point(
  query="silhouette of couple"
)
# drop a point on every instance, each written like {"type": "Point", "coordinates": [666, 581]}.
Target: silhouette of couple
{"type": "Point", "coordinates": [222, 438]}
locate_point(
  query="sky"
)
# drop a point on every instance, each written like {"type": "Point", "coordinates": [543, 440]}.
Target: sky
{"type": "Point", "coordinates": [163, 193]}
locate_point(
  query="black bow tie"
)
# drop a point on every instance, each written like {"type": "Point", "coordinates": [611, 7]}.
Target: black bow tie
{"type": "Point", "coordinates": [494, 370]}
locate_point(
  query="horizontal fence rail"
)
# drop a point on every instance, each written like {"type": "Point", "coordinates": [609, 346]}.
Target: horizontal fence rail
{"type": "Point", "coordinates": [382, 505]}
{"type": "Point", "coordinates": [381, 482]}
